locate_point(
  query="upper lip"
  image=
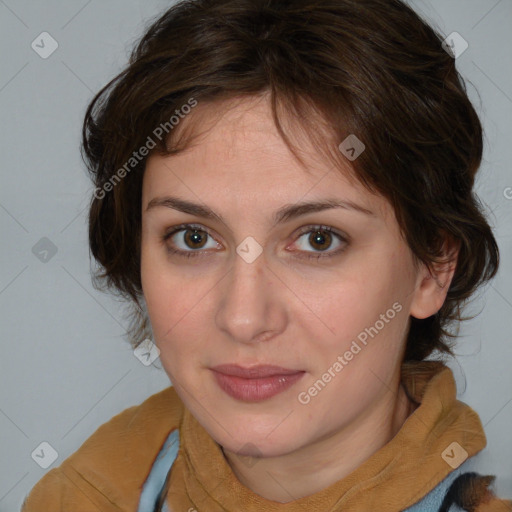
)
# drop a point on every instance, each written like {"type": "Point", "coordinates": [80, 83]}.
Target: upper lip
{"type": "Point", "coordinates": [264, 370]}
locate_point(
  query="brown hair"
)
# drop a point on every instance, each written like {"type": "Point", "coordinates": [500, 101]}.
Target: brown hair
{"type": "Point", "coordinates": [372, 68]}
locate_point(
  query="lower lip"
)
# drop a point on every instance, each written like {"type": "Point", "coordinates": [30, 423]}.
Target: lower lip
{"type": "Point", "coordinates": [256, 390]}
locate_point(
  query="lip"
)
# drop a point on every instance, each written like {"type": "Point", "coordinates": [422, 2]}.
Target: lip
{"type": "Point", "coordinates": [256, 383]}
{"type": "Point", "coordinates": [253, 372]}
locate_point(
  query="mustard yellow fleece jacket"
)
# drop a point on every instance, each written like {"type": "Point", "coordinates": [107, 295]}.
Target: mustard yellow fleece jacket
{"type": "Point", "coordinates": [108, 471]}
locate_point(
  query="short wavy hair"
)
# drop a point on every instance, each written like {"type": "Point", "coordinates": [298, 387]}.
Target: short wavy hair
{"type": "Point", "coordinates": [372, 68]}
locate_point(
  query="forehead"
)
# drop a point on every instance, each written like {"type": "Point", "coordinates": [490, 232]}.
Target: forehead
{"type": "Point", "coordinates": [229, 128]}
{"type": "Point", "coordinates": [238, 151]}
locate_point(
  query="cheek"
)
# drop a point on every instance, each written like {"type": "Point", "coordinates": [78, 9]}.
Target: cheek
{"type": "Point", "coordinates": [368, 306]}
{"type": "Point", "coordinates": [162, 294]}
{"type": "Point", "coordinates": [350, 303]}
{"type": "Point", "coordinates": [175, 304]}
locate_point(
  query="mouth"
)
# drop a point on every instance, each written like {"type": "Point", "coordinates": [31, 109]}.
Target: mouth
{"type": "Point", "coordinates": [256, 383]}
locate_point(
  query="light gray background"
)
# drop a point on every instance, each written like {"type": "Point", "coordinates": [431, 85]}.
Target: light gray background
{"type": "Point", "coordinates": [65, 368]}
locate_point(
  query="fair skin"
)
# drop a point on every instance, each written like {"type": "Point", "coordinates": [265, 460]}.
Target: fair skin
{"type": "Point", "coordinates": [280, 309]}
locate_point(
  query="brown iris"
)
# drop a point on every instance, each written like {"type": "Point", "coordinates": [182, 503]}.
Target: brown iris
{"type": "Point", "coordinates": [194, 235]}
{"type": "Point", "coordinates": [320, 237]}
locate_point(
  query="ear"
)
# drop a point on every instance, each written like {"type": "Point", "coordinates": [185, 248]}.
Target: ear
{"type": "Point", "coordinates": [432, 286]}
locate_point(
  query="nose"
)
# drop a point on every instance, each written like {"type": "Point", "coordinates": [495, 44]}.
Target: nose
{"type": "Point", "coordinates": [250, 305]}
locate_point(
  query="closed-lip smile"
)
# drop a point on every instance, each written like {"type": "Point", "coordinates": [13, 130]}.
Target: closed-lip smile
{"type": "Point", "coordinates": [255, 383]}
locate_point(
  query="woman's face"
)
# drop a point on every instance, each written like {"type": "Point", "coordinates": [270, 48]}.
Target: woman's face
{"type": "Point", "coordinates": [254, 290]}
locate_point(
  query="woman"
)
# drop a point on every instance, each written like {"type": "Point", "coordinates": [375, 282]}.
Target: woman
{"type": "Point", "coordinates": [283, 189]}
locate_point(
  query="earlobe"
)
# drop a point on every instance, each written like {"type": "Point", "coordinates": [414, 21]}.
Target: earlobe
{"type": "Point", "coordinates": [432, 285]}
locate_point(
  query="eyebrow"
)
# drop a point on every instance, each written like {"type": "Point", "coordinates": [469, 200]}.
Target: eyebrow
{"type": "Point", "coordinates": [284, 213]}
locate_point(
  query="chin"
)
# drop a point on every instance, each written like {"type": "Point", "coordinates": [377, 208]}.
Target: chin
{"type": "Point", "coordinates": [259, 446]}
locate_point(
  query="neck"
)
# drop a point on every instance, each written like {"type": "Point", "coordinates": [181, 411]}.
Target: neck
{"type": "Point", "coordinates": [316, 466]}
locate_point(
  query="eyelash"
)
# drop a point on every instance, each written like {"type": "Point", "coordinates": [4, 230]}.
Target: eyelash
{"type": "Point", "coordinates": [307, 229]}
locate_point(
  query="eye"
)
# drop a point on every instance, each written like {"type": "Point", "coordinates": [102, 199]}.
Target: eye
{"type": "Point", "coordinates": [194, 237]}
{"type": "Point", "coordinates": [321, 238]}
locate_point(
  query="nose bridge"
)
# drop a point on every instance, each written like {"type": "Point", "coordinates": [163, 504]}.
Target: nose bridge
{"type": "Point", "coordinates": [248, 307]}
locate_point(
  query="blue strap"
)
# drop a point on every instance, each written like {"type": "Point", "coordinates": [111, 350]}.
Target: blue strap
{"type": "Point", "coordinates": [156, 479]}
